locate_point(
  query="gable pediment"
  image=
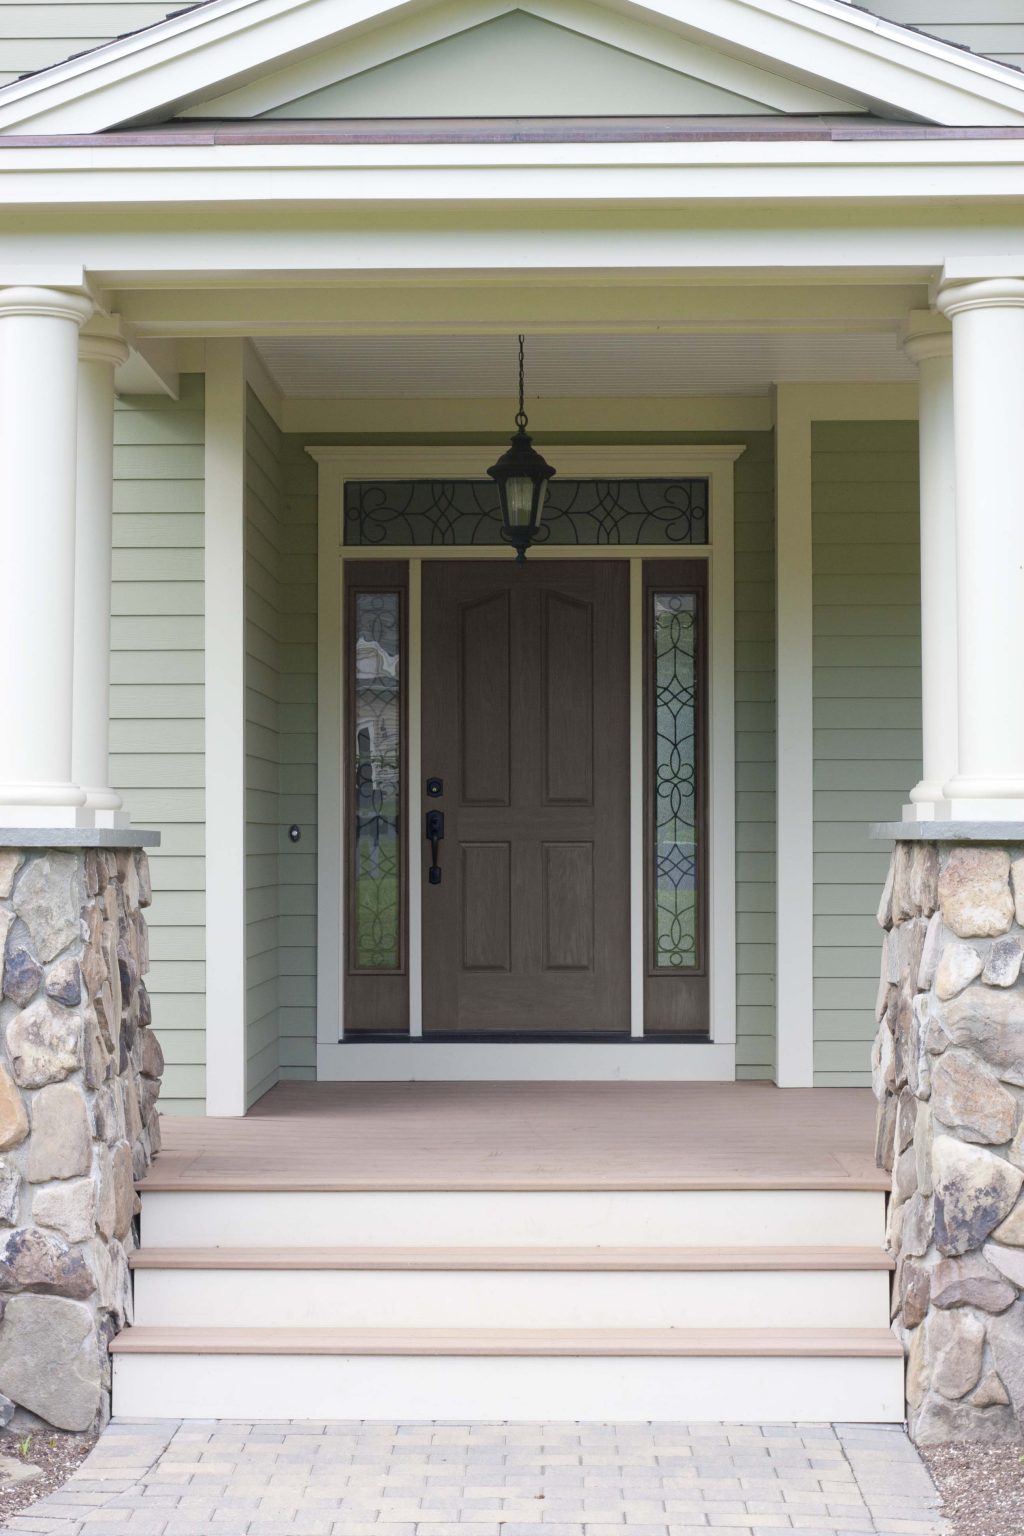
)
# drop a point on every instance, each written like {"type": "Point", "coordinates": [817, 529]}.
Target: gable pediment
{"type": "Point", "coordinates": [555, 58]}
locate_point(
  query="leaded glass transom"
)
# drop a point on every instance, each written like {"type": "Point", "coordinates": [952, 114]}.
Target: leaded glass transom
{"type": "Point", "coordinates": [413, 513]}
{"type": "Point", "coordinates": [377, 799]}
{"type": "Point", "coordinates": [676, 886]}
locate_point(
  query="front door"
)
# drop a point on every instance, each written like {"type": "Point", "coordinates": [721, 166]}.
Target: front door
{"type": "Point", "coordinates": [525, 719]}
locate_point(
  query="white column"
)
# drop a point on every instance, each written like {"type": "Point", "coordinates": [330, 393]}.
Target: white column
{"type": "Point", "coordinates": [988, 404]}
{"type": "Point", "coordinates": [38, 407]}
{"type": "Point", "coordinates": [98, 356]}
{"type": "Point", "coordinates": [928, 341]}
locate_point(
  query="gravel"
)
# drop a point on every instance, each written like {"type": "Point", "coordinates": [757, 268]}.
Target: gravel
{"type": "Point", "coordinates": [982, 1486]}
{"type": "Point", "coordinates": [54, 1453]}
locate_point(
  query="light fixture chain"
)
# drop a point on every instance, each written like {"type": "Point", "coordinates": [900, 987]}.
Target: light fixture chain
{"type": "Point", "coordinates": [521, 417]}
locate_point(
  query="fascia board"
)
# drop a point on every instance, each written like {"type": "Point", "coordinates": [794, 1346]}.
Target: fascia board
{"type": "Point", "coordinates": [600, 175]}
{"type": "Point", "coordinates": [226, 41]}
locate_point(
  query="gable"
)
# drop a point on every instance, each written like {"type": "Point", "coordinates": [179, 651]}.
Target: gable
{"type": "Point", "coordinates": [519, 65]}
{"type": "Point", "coordinates": [556, 58]}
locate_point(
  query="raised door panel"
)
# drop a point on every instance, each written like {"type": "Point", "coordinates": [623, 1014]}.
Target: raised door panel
{"type": "Point", "coordinates": [567, 870]}
{"type": "Point", "coordinates": [567, 665]}
{"type": "Point", "coordinates": [485, 701]}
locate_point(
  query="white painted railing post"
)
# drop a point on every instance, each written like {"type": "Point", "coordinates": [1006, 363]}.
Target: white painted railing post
{"type": "Point", "coordinates": [928, 341]}
{"type": "Point", "coordinates": [38, 407]}
{"type": "Point", "coordinates": [98, 356]}
{"type": "Point", "coordinates": [988, 406]}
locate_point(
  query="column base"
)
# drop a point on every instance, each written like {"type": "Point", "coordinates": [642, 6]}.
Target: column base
{"type": "Point", "coordinates": [926, 810]}
{"type": "Point", "coordinates": [63, 811]}
{"type": "Point", "coordinates": [972, 808]}
{"type": "Point", "coordinates": [104, 808]}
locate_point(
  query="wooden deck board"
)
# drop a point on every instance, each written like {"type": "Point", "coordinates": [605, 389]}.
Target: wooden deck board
{"type": "Point", "coordinates": [619, 1260]}
{"type": "Point", "coordinates": [848, 1343]}
{"type": "Point", "coordinates": [528, 1136]}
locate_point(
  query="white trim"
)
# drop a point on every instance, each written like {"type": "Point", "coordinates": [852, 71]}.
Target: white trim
{"type": "Point", "coordinates": [449, 1061]}
{"type": "Point", "coordinates": [336, 464]}
{"type": "Point", "coordinates": [227, 42]}
{"type": "Point", "coordinates": [636, 797]}
{"type": "Point", "coordinates": [224, 576]}
{"type": "Point", "coordinates": [797, 407]}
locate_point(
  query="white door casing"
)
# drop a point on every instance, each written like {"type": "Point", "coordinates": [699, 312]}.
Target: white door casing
{"type": "Point", "coordinates": [338, 1058]}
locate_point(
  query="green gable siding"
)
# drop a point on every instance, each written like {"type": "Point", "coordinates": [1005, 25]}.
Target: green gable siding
{"type": "Point", "coordinates": [867, 713]}
{"type": "Point", "coordinates": [156, 704]}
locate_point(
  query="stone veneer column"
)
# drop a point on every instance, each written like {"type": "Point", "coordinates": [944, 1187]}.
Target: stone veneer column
{"type": "Point", "coordinates": [38, 394]}
{"type": "Point", "coordinates": [988, 405]}
{"type": "Point", "coordinates": [80, 1072]}
{"type": "Point", "coordinates": [98, 356]}
{"type": "Point", "coordinates": [928, 341]}
{"type": "Point", "coordinates": [948, 1074]}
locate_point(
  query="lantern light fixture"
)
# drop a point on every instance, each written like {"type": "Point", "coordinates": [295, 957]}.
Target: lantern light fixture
{"type": "Point", "coordinates": [522, 477]}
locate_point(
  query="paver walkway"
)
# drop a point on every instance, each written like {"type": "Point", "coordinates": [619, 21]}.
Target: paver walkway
{"type": "Point", "coordinates": [214, 1478]}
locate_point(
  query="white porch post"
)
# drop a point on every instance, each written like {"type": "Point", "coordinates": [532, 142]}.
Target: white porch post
{"type": "Point", "coordinates": [928, 341]}
{"type": "Point", "coordinates": [98, 356]}
{"type": "Point", "coordinates": [988, 402]}
{"type": "Point", "coordinates": [38, 407]}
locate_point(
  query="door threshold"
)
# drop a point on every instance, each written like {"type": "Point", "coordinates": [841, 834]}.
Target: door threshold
{"type": "Point", "coordinates": [462, 1060]}
{"type": "Point", "coordinates": [513, 1037]}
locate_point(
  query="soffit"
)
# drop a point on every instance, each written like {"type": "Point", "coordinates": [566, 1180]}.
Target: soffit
{"type": "Point", "coordinates": [484, 367]}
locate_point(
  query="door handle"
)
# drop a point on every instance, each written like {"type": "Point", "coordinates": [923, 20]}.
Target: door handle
{"type": "Point", "coordinates": [435, 835]}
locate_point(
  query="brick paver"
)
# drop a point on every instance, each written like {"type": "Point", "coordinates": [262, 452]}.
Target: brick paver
{"type": "Point", "coordinates": [215, 1478]}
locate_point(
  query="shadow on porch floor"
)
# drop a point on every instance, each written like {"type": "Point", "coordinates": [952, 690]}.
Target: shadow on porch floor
{"type": "Point", "coordinates": [529, 1136]}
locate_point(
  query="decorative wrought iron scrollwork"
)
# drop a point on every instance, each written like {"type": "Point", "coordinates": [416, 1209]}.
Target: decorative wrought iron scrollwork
{"type": "Point", "coordinates": [675, 781]}
{"type": "Point", "coordinates": [377, 797]}
{"type": "Point", "coordinates": [577, 512]}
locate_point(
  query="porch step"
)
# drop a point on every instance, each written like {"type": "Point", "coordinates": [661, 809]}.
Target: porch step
{"type": "Point", "coordinates": [537, 1287]}
{"type": "Point", "coordinates": [854, 1374]}
{"type": "Point", "coordinates": [505, 1218]}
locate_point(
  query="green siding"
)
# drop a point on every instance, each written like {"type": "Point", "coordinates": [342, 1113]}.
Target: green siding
{"type": "Point", "coordinates": [280, 688]}
{"type": "Point", "coordinates": [992, 27]}
{"type": "Point", "coordinates": [156, 704]}
{"type": "Point", "coordinates": [262, 747]}
{"type": "Point", "coordinates": [867, 713]}
{"type": "Point", "coordinates": [755, 757]}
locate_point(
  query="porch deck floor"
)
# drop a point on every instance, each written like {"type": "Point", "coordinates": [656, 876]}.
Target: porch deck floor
{"type": "Point", "coordinates": [478, 1136]}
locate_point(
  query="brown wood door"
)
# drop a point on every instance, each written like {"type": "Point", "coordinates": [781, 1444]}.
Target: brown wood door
{"type": "Point", "coordinates": [525, 690]}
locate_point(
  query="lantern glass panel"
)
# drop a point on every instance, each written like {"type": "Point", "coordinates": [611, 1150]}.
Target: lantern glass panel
{"type": "Point", "coordinates": [519, 501]}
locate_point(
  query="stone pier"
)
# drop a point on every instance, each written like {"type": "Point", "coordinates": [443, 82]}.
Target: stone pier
{"type": "Point", "coordinates": [80, 1072]}
{"type": "Point", "coordinates": [948, 1074]}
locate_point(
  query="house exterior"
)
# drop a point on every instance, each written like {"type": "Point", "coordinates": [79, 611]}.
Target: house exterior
{"type": "Point", "coordinates": [263, 264]}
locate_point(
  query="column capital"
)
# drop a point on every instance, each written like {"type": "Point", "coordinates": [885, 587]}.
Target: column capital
{"type": "Point", "coordinates": [985, 293]}
{"type": "Point", "coordinates": [102, 349]}
{"type": "Point", "coordinates": [925, 334]}
{"type": "Point", "coordinates": [47, 303]}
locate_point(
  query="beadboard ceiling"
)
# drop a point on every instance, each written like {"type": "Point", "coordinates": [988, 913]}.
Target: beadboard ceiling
{"type": "Point", "coordinates": [465, 367]}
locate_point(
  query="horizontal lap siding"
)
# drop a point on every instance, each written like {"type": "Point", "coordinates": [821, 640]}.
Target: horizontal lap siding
{"type": "Point", "coordinates": [298, 743]}
{"type": "Point", "coordinates": [36, 33]}
{"type": "Point", "coordinates": [992, 27]}
{"type": "Point", "coordinates": [867, 713]}
{"type": "Point", "coordinates": [157, 722]}
{"type": "Point", "coordinates": [755, 757]}
{"type": "Point", "coordinates": [263, 696]}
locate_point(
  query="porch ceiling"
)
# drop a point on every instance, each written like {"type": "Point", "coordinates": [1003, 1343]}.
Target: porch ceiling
{"type": "Point", "coordinates": [473, 367]}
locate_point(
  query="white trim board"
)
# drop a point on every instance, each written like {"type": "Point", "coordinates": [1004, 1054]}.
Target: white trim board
{"type": "Point", "coordinates": [831, 47]}
{"type": "Point", "coordinates": [797, 407]}
{"type": "Point", "coordinates": [339, 1059]}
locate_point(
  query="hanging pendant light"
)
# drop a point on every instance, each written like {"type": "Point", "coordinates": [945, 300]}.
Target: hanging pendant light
{"type": "Point", "coordinates": [522, 477]}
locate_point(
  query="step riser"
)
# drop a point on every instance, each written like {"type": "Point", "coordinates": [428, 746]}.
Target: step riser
{"type": "Point", "coordinates": [730, 1218]}
{"type": "Point", "coordinates": [484, 1388]}
{"type": "Point", "coordinates": [475, 1299]}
